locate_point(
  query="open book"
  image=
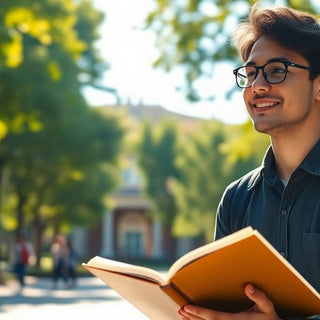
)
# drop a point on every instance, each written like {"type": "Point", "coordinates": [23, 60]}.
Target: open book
{"type": "Point", "coordinates": [213, 276]}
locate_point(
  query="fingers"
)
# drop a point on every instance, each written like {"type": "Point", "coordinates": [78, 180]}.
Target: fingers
{"type": "Point", "coordinates": [262, 302]}
{"type": "Point", "coordinates": [191, 312]}
{"type": "Point", "coordinates": [262, 309]}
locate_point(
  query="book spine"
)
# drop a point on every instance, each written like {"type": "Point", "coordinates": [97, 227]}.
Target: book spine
{"type": "Point", "coordinates": [176, 294]}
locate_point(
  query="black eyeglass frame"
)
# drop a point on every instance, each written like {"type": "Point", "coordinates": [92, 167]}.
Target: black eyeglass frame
{"type": "Point", "coordinates": [286, 64]}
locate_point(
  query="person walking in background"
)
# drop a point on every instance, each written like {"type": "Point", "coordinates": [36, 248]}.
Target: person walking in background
{"type": "Point", "coordinates": [72, 263]}
{"type": "Point", "coordinates": [22, 252]}
{"type": "Point", "coordinates": [59, 253]}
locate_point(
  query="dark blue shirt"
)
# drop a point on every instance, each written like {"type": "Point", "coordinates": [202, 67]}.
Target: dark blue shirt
{"type": "Point", "coordinates": [288, 217]}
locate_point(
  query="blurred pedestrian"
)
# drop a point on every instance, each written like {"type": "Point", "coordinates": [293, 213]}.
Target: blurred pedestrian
{"type": "Point", "coordinates": [72, 263]}
{"type": "Point", "coordinates": [59, 253]}
{"type": "Point", "coordinates": [22, 252]}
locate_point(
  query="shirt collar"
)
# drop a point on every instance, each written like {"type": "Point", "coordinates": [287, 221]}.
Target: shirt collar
{"type": "Point", "coordinates": [269, 169]}
{"type": "Point", "coordinates": [310, 164]}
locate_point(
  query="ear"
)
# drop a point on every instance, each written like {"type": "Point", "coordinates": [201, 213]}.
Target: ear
{"type": "Point", "coordinates": [317, 88]}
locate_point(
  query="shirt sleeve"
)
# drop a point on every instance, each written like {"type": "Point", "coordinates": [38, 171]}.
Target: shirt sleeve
{"type": "Point", "coordinates": [221, 228]}
{"type": "Point", "coordinates": [233, 205]}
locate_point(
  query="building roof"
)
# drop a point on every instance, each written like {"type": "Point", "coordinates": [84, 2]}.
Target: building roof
{"type": "Point", "coordinates": [155, 114]}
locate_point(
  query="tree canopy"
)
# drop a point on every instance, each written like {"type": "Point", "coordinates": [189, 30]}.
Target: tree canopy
{"type": "Point", "coordinates": [157, 152]}
{"type": "Point", "coordinates": [195, 34]}
{"type": "Point", "coordinates": [186, 173]}
{"type": "Point", "coordinates": [58, 156]}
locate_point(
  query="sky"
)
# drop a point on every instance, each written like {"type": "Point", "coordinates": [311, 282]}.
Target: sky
{"type": "Point", "coordinates": [130, 51]}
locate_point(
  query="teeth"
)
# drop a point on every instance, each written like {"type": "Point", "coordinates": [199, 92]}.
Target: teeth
{"type": "Point", "coordinates": [265, 105]}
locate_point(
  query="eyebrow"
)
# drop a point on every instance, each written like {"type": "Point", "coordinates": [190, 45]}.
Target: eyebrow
{"type": "Point", "coordinates": [276, 59]}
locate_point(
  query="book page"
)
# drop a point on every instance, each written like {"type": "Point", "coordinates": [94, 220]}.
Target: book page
{"type": "Point", "coordinates": [146, 296]}
{"type": "Point", "coordinates": [126, 268]}
{"type": "Point", "coordinates": [150, 274]}
{"type": "Point", "coordinates": [209, 248]}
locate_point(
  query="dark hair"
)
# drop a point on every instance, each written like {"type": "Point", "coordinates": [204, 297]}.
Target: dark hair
{"type": "Point", "coordinates": [294, 30]}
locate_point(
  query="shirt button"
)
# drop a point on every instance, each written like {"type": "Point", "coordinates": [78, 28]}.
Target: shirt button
{"type": "Point", "coordinates": [283, 253]}
{"type": "Point", "coordinates": [284, 212]}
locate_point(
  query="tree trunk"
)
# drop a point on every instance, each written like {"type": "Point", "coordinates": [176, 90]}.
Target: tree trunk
{"type": "Point", "coordinates": [20, 213]}
{"type": "Point", "coordinates": [37, 240]}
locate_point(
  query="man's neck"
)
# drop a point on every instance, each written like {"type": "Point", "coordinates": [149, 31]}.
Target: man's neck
{"type": "Point", "coordinates": [290, 151]}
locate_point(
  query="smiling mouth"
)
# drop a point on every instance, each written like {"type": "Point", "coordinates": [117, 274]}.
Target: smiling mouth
{"type": "Point", "coordinates": [265, 105]}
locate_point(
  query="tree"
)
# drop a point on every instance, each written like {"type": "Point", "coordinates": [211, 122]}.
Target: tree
{"type": "Point", "coordinates": [201, 183]}
{"type": "Point", "coordinates": [194, 34]}
{"type": "Point", "coordinates": [54, 142]}
{"type": "Point", "coordinates": [186, 174]}
{"type": "Point", "coordinates": [157, 153]}
{"type": "Point", "coordinates": [207, 162]}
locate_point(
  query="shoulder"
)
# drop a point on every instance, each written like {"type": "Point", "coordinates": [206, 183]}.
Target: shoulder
{"type": "Point", "coordinates": [234, 202]}
{"type": "Point", "coordinates": [245, 183]}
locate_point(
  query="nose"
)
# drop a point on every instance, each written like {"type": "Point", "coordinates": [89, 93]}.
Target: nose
{"type": "Point", "coordinates": [260, 83]}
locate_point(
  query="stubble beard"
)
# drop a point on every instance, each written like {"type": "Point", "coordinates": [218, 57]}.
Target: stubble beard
{"type": "Point", "coordinates": [279, 126]}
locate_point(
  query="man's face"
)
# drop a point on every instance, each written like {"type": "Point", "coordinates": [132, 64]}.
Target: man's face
{"type": "Point", "coordinates": [290, 105]}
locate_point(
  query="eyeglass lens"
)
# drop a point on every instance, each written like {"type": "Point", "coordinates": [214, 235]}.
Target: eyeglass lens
{"type": "Point", "coordinates": [273, 72]}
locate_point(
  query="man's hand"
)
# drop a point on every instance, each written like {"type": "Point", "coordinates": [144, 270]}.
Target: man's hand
{"type": "Point", "coordinates": [263, 309]}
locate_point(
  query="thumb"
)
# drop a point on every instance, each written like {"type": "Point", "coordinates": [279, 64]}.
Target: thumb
{"type": "Point", "coordinates": [262, 303]}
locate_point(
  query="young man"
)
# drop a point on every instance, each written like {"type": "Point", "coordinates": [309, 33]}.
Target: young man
{"type": "Point", "coordinates": [280, 78]}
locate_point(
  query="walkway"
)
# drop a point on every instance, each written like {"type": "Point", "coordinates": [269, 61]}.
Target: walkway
{"type": "Point", "coordinates": [91, 299]}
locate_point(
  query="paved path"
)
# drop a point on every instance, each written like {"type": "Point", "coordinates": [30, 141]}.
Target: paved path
{"type": "Point", "coordinates": [89, 300]}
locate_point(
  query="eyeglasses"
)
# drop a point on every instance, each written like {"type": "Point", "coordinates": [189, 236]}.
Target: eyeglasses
{"type": "Point", "coordinates": [273, 72]}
